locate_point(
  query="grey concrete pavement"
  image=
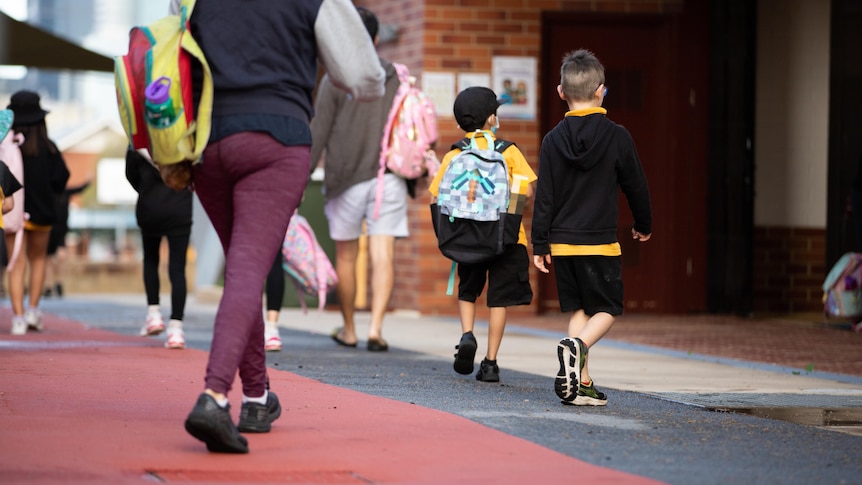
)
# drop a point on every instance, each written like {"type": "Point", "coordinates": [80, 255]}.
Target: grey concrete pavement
{"type": "Point", "coordinates": [658, 422]}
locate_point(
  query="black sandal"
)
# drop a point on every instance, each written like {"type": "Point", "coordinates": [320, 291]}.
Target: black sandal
{"type": "Point", "coordinates": [377, 345]}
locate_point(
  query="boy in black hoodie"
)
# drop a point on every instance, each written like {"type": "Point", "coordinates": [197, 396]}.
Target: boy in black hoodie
{"type": "Point", "coordinates": [581, 163]}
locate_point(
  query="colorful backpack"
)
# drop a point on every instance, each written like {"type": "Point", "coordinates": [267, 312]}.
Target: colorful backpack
{"type": "Point", "coordinates": [842, 288]}
{"type": "Point", "coordinates": [13, 221]}
{"type": "Point", "coordinates": [158, 66]}
{"type": "Point", "coordinates": [306, 262]}
{"type": "Point", "coordinates": [409, 133]}
{"type": "Point", "coordinates": [471, 217]}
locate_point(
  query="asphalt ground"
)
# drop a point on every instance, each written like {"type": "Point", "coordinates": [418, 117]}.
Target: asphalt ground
{"type": "Point", "coordinates": [663, 420]}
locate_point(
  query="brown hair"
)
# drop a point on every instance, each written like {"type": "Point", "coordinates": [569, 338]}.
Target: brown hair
{"type": "Point", "coordinates": [35, 139]}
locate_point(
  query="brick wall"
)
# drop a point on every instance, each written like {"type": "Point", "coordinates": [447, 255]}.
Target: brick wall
{"type": "Point", "coordinates": [462, 36]}
{"type": "Point", "coordinates": [788, 269]}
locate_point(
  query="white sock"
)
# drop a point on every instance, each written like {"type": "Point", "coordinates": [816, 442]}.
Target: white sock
{"type": "Point", "coordinates": [259, 400]}
{"type": "Point", "coordinates": [222, 402]}
{"type": "Point", "coordinates": [178, 324]}
{"type": "Point", "coordinates": [152, 309]}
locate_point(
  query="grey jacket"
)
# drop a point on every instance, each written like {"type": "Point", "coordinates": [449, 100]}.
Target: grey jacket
{"type": "Point", "coordinates": [350, 132]}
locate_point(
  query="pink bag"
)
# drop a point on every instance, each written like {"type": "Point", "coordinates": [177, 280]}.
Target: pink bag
{"type": "Point", "coordinates": [306, 262]}
{"type": "Point", "coordinates": [410, 131]}
{"type": "Point", "coordinates": [13, 221]}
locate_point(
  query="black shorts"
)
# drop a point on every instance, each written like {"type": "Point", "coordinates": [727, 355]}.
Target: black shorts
{"type": "Point", "coordinates": [56, 240]}
{"type": "Point", "coordinates": [4, 255]}
{"type": "Point", "coordinates": [508, 277]}
{"type": "Point", "coordinates": [590, 283]}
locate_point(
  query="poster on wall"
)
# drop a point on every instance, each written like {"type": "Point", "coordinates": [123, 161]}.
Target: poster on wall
{"type": "Point", "coordinates": [470, 79]}
{"type": "Point", "coordinates": [514, 79]}
{"type": "Point", "coordinates": [440, 88]}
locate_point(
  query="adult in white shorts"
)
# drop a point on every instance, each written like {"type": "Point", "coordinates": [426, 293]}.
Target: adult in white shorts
{"type": "Point", "coordinates": [349, 132]}
{"type": "Point", "coordinates": [346, 213]}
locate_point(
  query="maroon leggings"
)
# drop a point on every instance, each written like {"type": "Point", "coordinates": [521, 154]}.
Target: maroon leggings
{"type": "Point", "coordinates": [249, 184]}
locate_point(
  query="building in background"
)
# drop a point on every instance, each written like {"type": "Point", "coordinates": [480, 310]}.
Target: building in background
{"type": "Point", "coordinates": [103, 239]}
{"type": "Point", "coordinates": [745, 113]}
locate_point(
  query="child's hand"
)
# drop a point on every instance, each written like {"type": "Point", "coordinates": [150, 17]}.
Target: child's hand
{"type": "Point", "coordinates": [640, 237]}
{"type": "Point", "coordinates": [539, 261]}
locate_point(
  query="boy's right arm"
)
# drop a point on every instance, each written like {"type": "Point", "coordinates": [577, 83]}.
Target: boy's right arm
{"type": "Point", "coordinates": [540, 261]}
{"type": "Point", "coordinates": [542, 208]}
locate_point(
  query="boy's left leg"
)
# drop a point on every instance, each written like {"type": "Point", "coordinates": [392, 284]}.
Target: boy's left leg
{"type": "Point", "coordinates": [508, 285]}
{"type": "Point", "coordinates": [496, 327]}
{"type": "Point", "coordinates": [589, 330]}
{"type": "Point", "coordinates": [488, 369]}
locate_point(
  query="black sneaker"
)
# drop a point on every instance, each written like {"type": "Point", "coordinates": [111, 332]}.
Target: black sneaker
{"type": "Point", "coordinates": [488, 371]}
{"type": "Point", "coordinates": [572, 354]}
{"type": "Point", "coordinates": [212, 424]}
{"type": "Point", "coordinates": [466, 354]}
{"type": "Point", "coordinates": [590, 396]}
{"type": "Point", "coordinates": [258, 418]}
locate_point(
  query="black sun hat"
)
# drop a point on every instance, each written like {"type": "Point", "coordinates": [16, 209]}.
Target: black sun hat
{"type": "Point", "coordinates": [473, 106]}
{"type": "Point", "coordinates": [25, 105]}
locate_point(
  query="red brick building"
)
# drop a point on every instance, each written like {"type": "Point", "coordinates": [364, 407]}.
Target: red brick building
{"type": "Point", "coordinates": [685, 79]}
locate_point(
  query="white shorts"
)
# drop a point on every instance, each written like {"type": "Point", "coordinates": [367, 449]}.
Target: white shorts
{"type": "Point", "coordinates": [346, 212]}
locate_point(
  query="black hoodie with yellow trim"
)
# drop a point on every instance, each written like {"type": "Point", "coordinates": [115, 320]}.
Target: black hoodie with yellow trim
{"type": "Point", "coordinates": [582, 163]}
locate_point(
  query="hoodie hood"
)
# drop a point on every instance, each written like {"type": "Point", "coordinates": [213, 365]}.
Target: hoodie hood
{"type": "Point", "coordinates": [586, 141]}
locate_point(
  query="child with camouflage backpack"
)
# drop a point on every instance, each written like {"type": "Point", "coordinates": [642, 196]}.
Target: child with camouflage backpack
{"type": "Point", "coordinates": [507, 274]}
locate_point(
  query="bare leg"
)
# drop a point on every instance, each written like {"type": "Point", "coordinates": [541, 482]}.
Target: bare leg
{"type": "Point", "coordinates": [589, 330]}
{"type": "Point", "coordinates": [467, 311]}
{"type": "Point", "coordinates": [272, 315]}
{"type": "Point", "coordinates": [16, 276]}
{"type": "Point", "coordinates": [37, 251]}
{"type": "Point", "coordinates": [496, 327]}
{"type": "Point", "coordinates": [382, 251]}
{"type": "Point", "coordinates": [345, 268]}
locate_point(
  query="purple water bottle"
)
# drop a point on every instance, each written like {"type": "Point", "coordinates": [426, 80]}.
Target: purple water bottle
{"type": "Point", "coordinates": [159, 108]}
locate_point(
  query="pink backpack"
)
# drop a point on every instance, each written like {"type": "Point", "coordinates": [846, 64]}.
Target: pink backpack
{"type": "Point", "coordinates": [13, 221]}
{"type": "Point", "coordinates": [306, 262]}
{"type": "Point", "coordinates": [411, 129]}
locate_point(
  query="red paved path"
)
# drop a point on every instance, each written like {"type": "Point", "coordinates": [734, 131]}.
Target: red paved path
{"type": "Point", "coordinates": [81, 405]}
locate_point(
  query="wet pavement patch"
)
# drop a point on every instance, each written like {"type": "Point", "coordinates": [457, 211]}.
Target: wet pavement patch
{"type": "Point", "coordinates": [807, 416]}
{"type": "Point", "coordinates": [842, 420]}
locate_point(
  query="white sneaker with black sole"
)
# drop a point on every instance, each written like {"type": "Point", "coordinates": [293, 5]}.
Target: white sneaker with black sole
{"type": "Point", "coordinates": [572, 354]}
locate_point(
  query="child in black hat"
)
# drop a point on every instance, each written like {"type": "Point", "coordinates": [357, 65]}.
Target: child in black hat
{"type": "Point", "coordinates": [507, 275]}
{"type": "Point", "coordinates": [45, 177]}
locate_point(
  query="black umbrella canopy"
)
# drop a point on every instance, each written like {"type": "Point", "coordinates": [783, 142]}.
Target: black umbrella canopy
{"type": "Point", "coordinates": [22, 44]}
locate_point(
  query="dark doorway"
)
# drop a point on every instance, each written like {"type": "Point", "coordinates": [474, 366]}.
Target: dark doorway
{"type": "Point", "coordinates": [845, 130]}
{"type": "Point", "coordinates": [656, 70]}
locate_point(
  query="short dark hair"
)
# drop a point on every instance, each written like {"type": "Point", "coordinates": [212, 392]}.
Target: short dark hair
{"type": "Point", "coordinates": [370, 21]}
{"type": "Point", "coordinates": [581, 74]}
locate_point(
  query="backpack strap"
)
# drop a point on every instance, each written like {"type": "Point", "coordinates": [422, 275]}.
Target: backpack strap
{"type": "Point", "coordinates": [400, 94]}
{"type": "Point", "coordinates": [450, 287]}
{"type": "Point", "coordinates": [500, 145]}
{"type": "Point", "coordinates": [320, 271]}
